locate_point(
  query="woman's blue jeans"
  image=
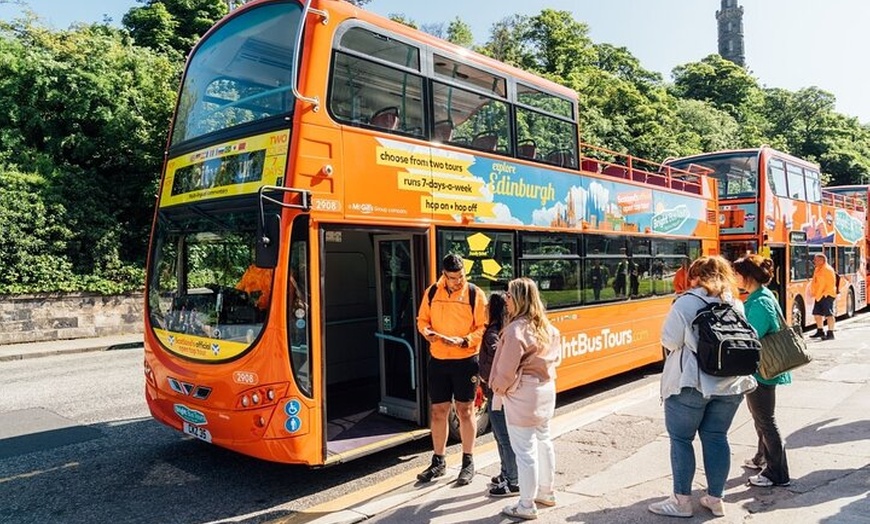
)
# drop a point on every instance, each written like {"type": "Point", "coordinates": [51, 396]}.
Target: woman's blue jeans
{"type": "Point", "coordinates": [687, 414]}
{"type": "Point", "coordinates": [500, 432]}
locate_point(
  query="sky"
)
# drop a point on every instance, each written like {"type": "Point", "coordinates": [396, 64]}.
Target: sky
{"type": "Point", "coordinates": [789, 44]}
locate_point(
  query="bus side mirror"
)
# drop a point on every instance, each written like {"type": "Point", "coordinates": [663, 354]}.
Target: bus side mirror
{"type": "Point", "coordinates": [268, 241]}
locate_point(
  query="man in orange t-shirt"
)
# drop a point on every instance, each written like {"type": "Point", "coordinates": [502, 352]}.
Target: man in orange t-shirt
{"type": "Point", "coordinates": [824, 290]}
{"type": "Point", "coordinates": [454, 329]}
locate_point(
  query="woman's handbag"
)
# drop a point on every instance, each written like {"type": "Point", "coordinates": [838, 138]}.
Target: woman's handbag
{"type": "Point", "coordinates": [782, 351]}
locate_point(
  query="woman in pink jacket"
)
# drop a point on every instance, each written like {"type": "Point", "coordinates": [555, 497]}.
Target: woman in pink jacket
{"type": "Point", "coordinates": [523, 380]}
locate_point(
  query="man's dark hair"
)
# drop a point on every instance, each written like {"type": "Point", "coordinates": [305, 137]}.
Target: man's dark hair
{"type": "Point", "coordinates": [452, 263]}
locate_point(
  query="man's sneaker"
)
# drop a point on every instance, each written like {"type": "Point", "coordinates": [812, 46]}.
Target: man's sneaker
{"type": "Point", "coordinates": [466, 474]}
{"type": "Point", "coordinates": [764, 482]}
{"type": "Point", "coordinates": [546, 499]}
{"type": "Point", "coordinates": [829, 336]}
{"type": "Point", "coordinates": [497, 480]}
{"type": "Point", "coordinates": [751, 464]}
{"type": "Point", "coordinates": [818, 334]}
{"type": "Point", "coordinates": [435, 470]}
{"type": "Point", "coordinates": [504, 490]}
{"type": "Point", "coordinates": [671, 507]}
{"type": "Point", "coordinates": [518, 511]}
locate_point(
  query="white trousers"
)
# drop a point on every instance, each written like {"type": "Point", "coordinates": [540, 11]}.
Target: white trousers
{"type": "Point", "coordinates": [536, 460]}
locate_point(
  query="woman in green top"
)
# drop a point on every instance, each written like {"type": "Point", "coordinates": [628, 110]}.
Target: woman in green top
{"type": "Point", "coordinates": [763, 313]}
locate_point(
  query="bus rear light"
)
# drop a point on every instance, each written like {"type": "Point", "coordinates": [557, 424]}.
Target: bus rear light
{"type": "Point", "coordinates": [257, 397]}
{"type": "Point", "coordinates": [260, 422]}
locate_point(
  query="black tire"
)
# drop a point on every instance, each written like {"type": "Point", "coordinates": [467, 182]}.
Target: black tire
{"type": "Point", "coordinates": [797, 316]}
{"type": "Point", "coordinates": [850, 304]}
{"type": "Point", "coordinates": [480, 404]}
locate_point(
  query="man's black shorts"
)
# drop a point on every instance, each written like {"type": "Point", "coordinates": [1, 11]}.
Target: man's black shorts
{"type": "Point", "coordinates": [824, 307]}
{"type": "Point", "coordinates": [453, 379]}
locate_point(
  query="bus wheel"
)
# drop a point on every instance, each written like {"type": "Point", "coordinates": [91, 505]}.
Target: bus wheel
{"type": "Point", "coordinates": [480, 413]}
{"type": "Point", "coordinates": [850, 304]}
{"type": "Point", "coordinates": [797, 316]}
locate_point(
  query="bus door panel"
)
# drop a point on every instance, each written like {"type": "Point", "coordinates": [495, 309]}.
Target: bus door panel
{"type": "Point", "coordinates": [399, 348]}
{"type": "Point", "coordinates": [777, 255]}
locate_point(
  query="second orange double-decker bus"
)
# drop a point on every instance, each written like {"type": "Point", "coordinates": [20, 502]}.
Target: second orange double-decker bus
{"type": "Point", "coordinates": [322, 161]}
{"type": "Point", "coordinates": [774, 203]}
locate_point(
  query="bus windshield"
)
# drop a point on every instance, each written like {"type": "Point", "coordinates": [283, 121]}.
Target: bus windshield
{"type": "Point", "coordinates": [240, 73]}
{"type": "Point", "coordinates": [203, 282]}
{"type": "Point", "coordinates": [737, 173]}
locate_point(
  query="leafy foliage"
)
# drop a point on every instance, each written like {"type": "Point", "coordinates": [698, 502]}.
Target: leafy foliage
{"type": "Point", "coordinates": [173, 25]}
{"type": "Point", "coordinates": [85, 111]}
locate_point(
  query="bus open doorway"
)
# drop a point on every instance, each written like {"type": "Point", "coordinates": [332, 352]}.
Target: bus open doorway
{"type": "Point", "coordinates": [373, 355]}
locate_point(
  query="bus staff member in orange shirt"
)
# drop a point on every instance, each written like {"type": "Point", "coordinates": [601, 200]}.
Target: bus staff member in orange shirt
{"type": "Point", "coordinates": [824, 291]}
{"type": "Point", "coordinates": [257, 283]}
{"type": "Point", "coordinates": [681, 277]}
{"type": "Point", "coordinates": [454, 330]}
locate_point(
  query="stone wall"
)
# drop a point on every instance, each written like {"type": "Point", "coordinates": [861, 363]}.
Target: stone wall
{"type": "Point", "coordinates": [34, 318]}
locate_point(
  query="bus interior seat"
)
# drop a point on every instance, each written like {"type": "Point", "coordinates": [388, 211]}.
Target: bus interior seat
{"type": "Point", "coordinates": [443, 131]}
{"type": "Point", "coordinates": [485, 142]}
{"type": "Point", "coordinates": [657, 179]}
{"type": "Point", "coordinates": [588, 164]}
{"type": "Point", "coordinates": [615, 170]}
{"type": "Point", "coordinates": [639, 175]}
{"type": "Point", "coordinates": [386, 118]}
{"type": "Point", "coordinates": [527, 148]}
{"type": "Point", "coordinates": [562, 157]}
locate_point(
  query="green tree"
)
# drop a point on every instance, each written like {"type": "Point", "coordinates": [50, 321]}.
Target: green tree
{"type": "Point", "coordinates": [459, 33]}
{"type": "Point", "coordinates": [403, 19]}
{"type": "Point", "coordinates": [33, 236]}
{"type": "Point", "coordinates": [728, 87]}
{"type": "Point", "coordinates": [177, 25]}
{"type": "Point", "coordinates": [87, 111]}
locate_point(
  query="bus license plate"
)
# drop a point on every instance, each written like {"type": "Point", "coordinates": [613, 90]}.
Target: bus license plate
{"type": "Point", "coordinates": [196, 431]}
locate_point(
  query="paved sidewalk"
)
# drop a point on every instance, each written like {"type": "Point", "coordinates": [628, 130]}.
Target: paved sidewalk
{"type": "Point", "coordinates": [613, 460]}
{"type": "Point", "coordinates": [56, 347]}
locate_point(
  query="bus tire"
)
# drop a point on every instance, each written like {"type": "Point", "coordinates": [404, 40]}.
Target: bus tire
{"type": "Point", "coordinates": [481, 414]}
{"type": "Point", "coordinates": [797, 316]}
{"type": "Point", "coordinates": [850, 303]}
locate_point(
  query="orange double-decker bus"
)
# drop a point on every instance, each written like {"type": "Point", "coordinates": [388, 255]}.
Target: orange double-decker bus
{"type": "Point", "coordinates": [774, 203]}
{"type": "Point", "coordinates": [321, 162]}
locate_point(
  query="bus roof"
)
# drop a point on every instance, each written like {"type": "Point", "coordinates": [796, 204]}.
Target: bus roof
{"type": "Point", "coordinates": [754, 150]}
{"type": "Point", "coordinates": [848, 187]}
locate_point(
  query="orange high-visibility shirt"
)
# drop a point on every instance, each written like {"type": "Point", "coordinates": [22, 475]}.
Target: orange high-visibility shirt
{"type": "Point", "coordinates": [681, 280]}
{"type": "Point", "coordinates": [450, 314]}
{"type": "Point", "coordinates": [257, 279]}
{"type": "Point", "coordinates": [824, 282]}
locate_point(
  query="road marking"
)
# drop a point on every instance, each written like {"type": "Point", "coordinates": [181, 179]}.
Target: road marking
{"type": "Point", "coordinates": [36, 472]}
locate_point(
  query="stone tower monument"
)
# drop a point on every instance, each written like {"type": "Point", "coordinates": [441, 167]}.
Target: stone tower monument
{"type": "Point", "coordinates": [730, 19]}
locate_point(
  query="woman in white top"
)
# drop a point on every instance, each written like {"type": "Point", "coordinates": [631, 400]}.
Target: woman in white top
{"type": "Point", "coordinates": [523, 379]}
{"type": "Point", "coordinates": [695, 402]}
